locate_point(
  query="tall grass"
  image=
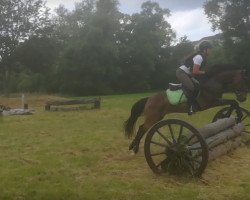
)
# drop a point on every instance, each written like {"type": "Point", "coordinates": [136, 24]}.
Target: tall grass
{"type": "Point", "coordinates": [84, 155]}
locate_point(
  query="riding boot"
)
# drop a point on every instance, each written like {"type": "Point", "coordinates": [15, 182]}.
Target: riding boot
{"type": "Point", "coordinates": [190, 108]}
{"type": "Point", "coordinates": [193, 104]}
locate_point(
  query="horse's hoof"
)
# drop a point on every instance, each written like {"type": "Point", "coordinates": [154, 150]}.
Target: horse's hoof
{"type": "Point", "coordinates": [136, 149]}
{"type": "Point", "coordinates": [131, 146]}
{"type": "Point", "coordinates": [134, 146]}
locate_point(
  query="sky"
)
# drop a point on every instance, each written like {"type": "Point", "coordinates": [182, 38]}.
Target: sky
{"type": "Point", "coordinates": [187, 16]}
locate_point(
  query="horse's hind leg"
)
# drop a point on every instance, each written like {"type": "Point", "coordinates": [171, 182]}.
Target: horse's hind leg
{"type": "Point", "coordinates": [154, 111]}
{"type": "Point", "coordinates": [149, 122]}
{"type": "Point", "coordinates": [136, 142]}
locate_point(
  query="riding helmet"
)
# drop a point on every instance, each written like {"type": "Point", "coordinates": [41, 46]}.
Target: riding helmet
{"type": "Point", "coordinates": [205, 45]}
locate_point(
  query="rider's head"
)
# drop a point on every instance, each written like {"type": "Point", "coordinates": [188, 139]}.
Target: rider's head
{"type": "Point", "coordinates": [205, 47]}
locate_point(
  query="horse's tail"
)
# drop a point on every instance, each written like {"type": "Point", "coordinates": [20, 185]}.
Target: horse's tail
{"type": "Point", "coordinates": [136, 111]}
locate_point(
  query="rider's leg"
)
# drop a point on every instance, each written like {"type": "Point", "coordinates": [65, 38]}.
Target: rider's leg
{"type": "Point", "coordinates": [189, 90]}
{"type": "Point", "coordinates": [192, 102]}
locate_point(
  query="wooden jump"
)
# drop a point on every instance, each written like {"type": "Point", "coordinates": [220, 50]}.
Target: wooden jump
{"type": "Point", "coordinates": [221, 137]}
{"type": "Point", "coordinates": [53, 105]}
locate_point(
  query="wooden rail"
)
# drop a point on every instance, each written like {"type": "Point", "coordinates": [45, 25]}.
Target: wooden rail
{"type": "Point", "coordinates": [96, 104]}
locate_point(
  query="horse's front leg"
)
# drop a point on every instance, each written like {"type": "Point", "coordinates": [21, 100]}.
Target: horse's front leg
{"type": "Point", "coordinates": [234, 105]}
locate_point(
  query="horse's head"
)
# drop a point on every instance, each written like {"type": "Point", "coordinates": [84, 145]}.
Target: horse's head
{"type": "Point", "coordinates": [239, 83]}
{"type": "Point", "coordinates": [228, 76]}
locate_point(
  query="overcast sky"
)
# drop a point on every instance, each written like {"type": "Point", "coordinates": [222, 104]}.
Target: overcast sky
{"type": "Point", "coordinates": [187, 16]}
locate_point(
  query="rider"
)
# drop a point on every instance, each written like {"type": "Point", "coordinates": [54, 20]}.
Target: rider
{"type": "Point", "coordinates": [192, 68]}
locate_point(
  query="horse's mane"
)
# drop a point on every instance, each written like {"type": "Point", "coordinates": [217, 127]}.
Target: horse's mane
{"type": "Point", "coordinates": [218, 68]}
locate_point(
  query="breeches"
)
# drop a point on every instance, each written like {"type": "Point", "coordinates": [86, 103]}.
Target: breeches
{"type": "Point", "coordinates": [185, 80]}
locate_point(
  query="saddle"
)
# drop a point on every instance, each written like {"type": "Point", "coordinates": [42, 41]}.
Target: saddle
{"type": "Point", "coordinates": [174, 86]}
{"type": "Point", "coordinates": [176, 94]}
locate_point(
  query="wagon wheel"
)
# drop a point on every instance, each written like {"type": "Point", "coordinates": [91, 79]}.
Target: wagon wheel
{"type": "Point", "coordinates": [176, 147]}
{"type": "Point", "coordinates": [229, 112]}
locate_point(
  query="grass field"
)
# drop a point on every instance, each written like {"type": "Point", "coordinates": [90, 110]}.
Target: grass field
{"type": "Point", "coordinates": [84, 155]}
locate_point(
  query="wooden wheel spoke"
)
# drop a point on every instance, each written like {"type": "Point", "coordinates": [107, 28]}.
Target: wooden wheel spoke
{"type": "Point", "coordinates": [158, 154]}
{"type": "Point", "coordinates": [244, 117]}
{"type": "Point", "coordinates": [194, 148]}
{"type": "Point", "coordinates": [166, 139]}
{"type": "Point", "coordinates": [189, 166]}
{"type": "Point", "coordinates": [180, 133]}
{"type": "Point", "coordinates": [160, 163]}
{"type": "Point", "coordinates": [158, 144]}
{"type": "Point", "coordinates": [175, 146]}
{"type": "Point", "coordinates": [189, 139]}
{"type": "Point", "coordinates": [196, 161]}
{"type": "Point", "coordinates": [190, 158]}
{"type": "Point", "coordinates": [192, 170]}
{"type": "Point", "coordinates": [171, 132]}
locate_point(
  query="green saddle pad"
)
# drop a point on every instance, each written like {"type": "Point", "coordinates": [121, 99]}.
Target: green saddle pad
{"type": "Point", "coordinates": [176, 97]}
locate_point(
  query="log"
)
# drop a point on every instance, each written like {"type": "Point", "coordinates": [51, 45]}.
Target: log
{"type": "Point", "coordinates": [224, 136]}
{"type": "Point", "coordinates": [220, 138]}
{"type": "Point", "coordinates": [222, 143]}
{"type": "Point", "coordinates": [95, 101]}
{"type": "Point", "coordinates": [224, 148]}
{"type": "Point", "coordinates": [214, 128]}
{"type": "Point", "coordinates": [72, 102]}
{"type": "Point", "coordinates": [64, 109]}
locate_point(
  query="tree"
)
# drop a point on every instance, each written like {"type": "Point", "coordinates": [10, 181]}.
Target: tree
{"type": "Point", "coordinates": [147, 37]}
{"type": "Point", "coordinates": [232, 17]}
{"type": "Point", "coordinates": [70, 24]}
{"type": "Point", "coordinates": [37, 57]}
{"type": "Point", "coordinates": [19, 19]}
{"type": "Point", "coordinates": [89, 63]}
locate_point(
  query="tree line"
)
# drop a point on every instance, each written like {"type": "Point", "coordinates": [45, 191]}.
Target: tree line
{"type": "Point", "coordinates": [95, 49]}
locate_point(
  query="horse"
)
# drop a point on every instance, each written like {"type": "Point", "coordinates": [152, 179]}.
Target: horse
{"type": "Point", "coordinates": [213, 84]}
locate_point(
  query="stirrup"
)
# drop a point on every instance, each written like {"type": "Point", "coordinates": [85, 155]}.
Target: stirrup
{"type": "Point", "coordinates": [193, 109]}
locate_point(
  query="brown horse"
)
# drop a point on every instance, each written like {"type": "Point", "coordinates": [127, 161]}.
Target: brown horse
{"type": "Point", "coordinates": [212, 86]}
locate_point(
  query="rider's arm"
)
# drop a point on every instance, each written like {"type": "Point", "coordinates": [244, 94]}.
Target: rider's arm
{"type": "Point", "coordinates": [197, 65]}
{"type": "Point", "coordinates": [196, 70]}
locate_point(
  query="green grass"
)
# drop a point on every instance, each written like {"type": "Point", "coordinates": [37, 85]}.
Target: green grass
{"type": "Point", "coordinates": [84, 155]}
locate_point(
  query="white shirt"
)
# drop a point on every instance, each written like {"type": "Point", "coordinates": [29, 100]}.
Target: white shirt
{"type": "Point", "coordinates": [197, 61]}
